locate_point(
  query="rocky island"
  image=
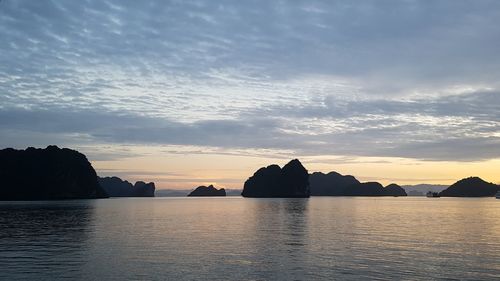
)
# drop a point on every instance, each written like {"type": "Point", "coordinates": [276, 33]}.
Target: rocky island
{"type": "Point", "coordinates": [470, 187]}
{"type": "Point", "coordinates": [207, 191]}
{"type": "Point", "coordinates": [272, 181]}
{"type": "Point", "coordinates": [46, 174]}
{"type": "Point", "coordinates": [116, 187]}
{"type": "Point", "coordinates": [335, 184]}
{"type": "Point", "coordinates": [374, 189]}
{"type": "Point", "coordinates": [394, 190]}
{"type": "Point", "coordinates": [331, 184]}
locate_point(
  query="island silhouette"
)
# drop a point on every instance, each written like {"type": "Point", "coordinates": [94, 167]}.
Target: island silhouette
{"type": "Point", "coordinates": [47, 174]}
{"type": "Point", "coordinates": [116, 187]}
{"type": "Point", "coordinates": [335, 184]}
{"type": "Point", "coordinates": [60, 173]}
{"type": "Point", "coordinates": [272, 181]}
{"type": "Point", "coordinates": [471, 187]}
{"type": "Point", "coordinates": [207, 191]}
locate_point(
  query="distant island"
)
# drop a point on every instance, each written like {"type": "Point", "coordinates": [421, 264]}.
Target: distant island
{"type": "Point", "coordinates": [272, 181]}
{"type": "Point", "coordinates": [471, 187]}
{"type": "Point", "coordinates": [185, 192]}
{"type": "Point", "coordinates": [207, 191]}
{"type": "Point", "coordinates": [116, 187]}
{"type": "Point", "coordinates": [47, 174]}
{"type": "Point", "coordinates": [415, 193]}
{"type": "Point", "coordinates": [335, 184]}
{"type": "Point", "coordinates": [423, 188]}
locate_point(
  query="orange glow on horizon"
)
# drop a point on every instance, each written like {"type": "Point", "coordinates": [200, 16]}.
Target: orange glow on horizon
{"type": "Point", "coordinates": [172, 170]}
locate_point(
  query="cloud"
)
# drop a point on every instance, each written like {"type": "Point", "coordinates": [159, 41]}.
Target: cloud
{"type": "Point", "coordinates": [384, 46]}
{"type": "Point", "coordinates": [459, 128]}
{"type": "Point", "coordinates": [408, 79]}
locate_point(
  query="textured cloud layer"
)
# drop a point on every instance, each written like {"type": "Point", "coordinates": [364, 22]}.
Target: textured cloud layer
{"type": "Point", "coordinates": [373, 78]}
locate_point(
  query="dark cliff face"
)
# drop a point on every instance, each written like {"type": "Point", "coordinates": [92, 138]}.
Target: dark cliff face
{"type": "Point", "coordinates": [45, 174]}
{"type": "Point", "coordinates": [331, 184]}
{"type": "Point", "coordinates": [290, 181]}
{"type": "Point", "coordinates": [208, 191]}
{"type": "Point", "coordinates": [116, 187]}
{"type": "Point", "coordinates": [470, 187]}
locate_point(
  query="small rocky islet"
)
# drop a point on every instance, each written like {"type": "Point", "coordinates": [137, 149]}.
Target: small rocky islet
{"type": "Point", "coordinates": [116, 187]}
{"type": "Point", "coordinates": [207, 191]}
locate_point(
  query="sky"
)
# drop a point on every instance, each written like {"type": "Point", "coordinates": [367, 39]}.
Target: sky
{"type": "Point", "coordinates": [186, 93]}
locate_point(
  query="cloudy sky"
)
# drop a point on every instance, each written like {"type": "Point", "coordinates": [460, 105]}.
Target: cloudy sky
{"type": "Point", "coordinates": [197, 92]}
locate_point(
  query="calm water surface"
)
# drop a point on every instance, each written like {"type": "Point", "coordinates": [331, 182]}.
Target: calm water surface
{"type": "Point", "coordinates": [331, 238]}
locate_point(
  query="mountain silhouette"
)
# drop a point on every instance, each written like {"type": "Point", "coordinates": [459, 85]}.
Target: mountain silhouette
{"type": "Point", "coordinates": [116, 187]}
{"type": "Point", "coordinates": [422, 188]}
{"type": "Point", "coordinates": [470, 187]}
{"type": "Point", "coordinates": [46, 174]}
{"type": "Point", "coordinates": [272, 181]}
{"type": "Point", "coordinates": [207, 191]}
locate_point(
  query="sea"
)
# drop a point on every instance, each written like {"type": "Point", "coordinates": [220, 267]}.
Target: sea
{"type": "Point", "coordinates": [235, 238]}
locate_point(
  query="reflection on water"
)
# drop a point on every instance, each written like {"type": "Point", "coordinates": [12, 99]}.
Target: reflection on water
{"type": "Point", "coordinates": [251, 239]}
{"type": "Point", "coordinates": [277, 242]}
{"type": "Point", "coordinates": [41, 240]}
